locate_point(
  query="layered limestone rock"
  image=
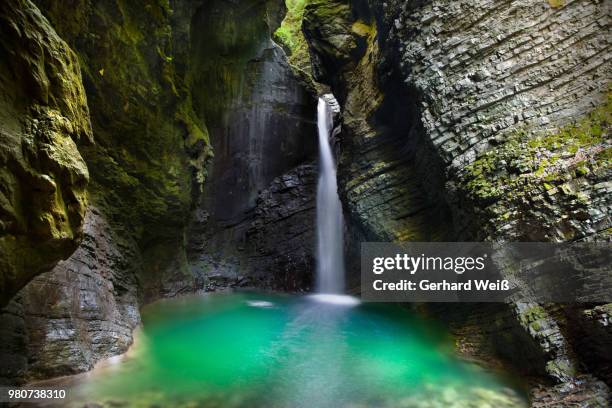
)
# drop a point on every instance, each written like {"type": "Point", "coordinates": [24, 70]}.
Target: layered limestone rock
{"type": "Point", "coordinates": [44, 123]}
{"type": "Point", "coordinates": [535, 67]}
{"type": "Point", "coordinates": [281, 236]}
{"type": "Point", "coordinates": [508, 74]}
{"type": "Point", "coordinates": [385, 198]}
{"type": "Point", "coordinates": [85, 309]}
{"type": "Point", "coordinates": [274, 244]}
{"type": "Point", "coordinates": [501, 116]}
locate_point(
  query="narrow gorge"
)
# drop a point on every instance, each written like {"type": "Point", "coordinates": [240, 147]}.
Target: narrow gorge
{"type": "Point", "coordinates": [181, 176]}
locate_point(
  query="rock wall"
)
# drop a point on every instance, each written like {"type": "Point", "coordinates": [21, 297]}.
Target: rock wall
{"type": "Point", "coordinates": [496, 118]}
{"type": "Point", "coordinates": [153, 74]}
{"type": "Point", "coordinates": [148, 165]}
{"type": "Point", "coordinates": [384, 196]}
{"type": "Point", "coordinates": [511, 71]}
{"type": "Point", "coordinates": [261, 120]}
{"type": "Point", "coordinates": [44, 123]}
{"type": "Point", "coordinates": [273, 247]}
{"type": "Point", "coordinates": [281, 236]}
{"type": "Point", "coordinates": [147, 169]}
{"type": "Point", "coordinates": [67, 319]}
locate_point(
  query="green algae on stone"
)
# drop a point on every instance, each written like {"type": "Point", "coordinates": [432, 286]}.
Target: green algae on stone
{"type": "Point", "coordinates": [291, 37]}
{"type": "Point", "coordinates": [544, 168]}
{"type": "Point", "coordinates": [149, 164]}
{"type": "Point", "coordinates": [328, 25]}
{"type": "Point", "coordinates": [44, 125]}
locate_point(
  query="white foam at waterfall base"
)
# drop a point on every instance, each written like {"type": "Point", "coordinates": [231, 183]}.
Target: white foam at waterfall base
{"type": "Point", "coordinates": [330, 223]}
{"type": "Point", "coordinates": [340, 300]}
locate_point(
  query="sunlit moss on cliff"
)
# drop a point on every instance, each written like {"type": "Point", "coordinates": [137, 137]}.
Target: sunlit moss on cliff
{"type": "Point", "coordinates": [290, 35]}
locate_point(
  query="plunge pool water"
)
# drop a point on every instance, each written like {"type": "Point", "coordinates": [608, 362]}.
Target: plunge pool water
{"type": "Point", "coordinates": [260, 350]}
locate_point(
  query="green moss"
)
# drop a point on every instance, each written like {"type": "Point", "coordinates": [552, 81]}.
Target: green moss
{"type": "Point", "coordinates": [560, 368]}
{"type": "Point", "coordinates": [556, 3]}
{"type": "Point", "coordinates": [589, 131]}
{"type": "Point", "coordinates": [291, 37]}
{"type": "Point", "coordinates": [522, 159]}
{"type": "Point", "coordinates": [533, 314]}
{"type": "Point", "coordinates": [150, 143]}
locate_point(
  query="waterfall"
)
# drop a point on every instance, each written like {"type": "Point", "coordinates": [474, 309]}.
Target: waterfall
{"type": "Point", "coordinates": [330, 256]}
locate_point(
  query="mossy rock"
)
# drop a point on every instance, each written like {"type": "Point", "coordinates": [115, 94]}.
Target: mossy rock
{"type": "Point", "coordinates": [528, 166]}
{"type": "Point", "coordinates": [44, 123]}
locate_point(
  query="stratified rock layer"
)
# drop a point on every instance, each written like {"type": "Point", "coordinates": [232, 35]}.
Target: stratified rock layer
{"type": "Point", "coordinates": [67, 319]}
{"type": "Point", "coordinates": [384, 195]}
{"type": "Point", "coordinates": [500, 119]}
{"type": "Point", "coordinates": [273, 246]}
{"type": "Point", "coordinates": [498, 86]}
{"type": "Point", "coordinates": [481, 77]}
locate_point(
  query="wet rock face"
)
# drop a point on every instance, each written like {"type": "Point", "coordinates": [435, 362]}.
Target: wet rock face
{"type": "Point", "coordinates": [43, 119]}
{"type": "Point", "coordinates": [83, 310]}
{"type": "Point", "coordinates": [260, 116]}
{"type": "Point", "coordinates": [267, 130]}
{"type": "Point", "coordinates": [273, 247]}
{"type": "Point", "coordinates": [281, 236]}
{"type": "Point", "coordinates": [261, 120]}
{"type": "Point", "coordinates": [592, 329]}
{"type": "Point", "coordinates": [385, 196]}
{"type": "Point", "coordinates": [327, 25]}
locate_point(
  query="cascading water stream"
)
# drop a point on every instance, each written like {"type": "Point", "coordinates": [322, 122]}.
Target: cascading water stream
{"type": "Point", "coordinates": [330, 257]}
